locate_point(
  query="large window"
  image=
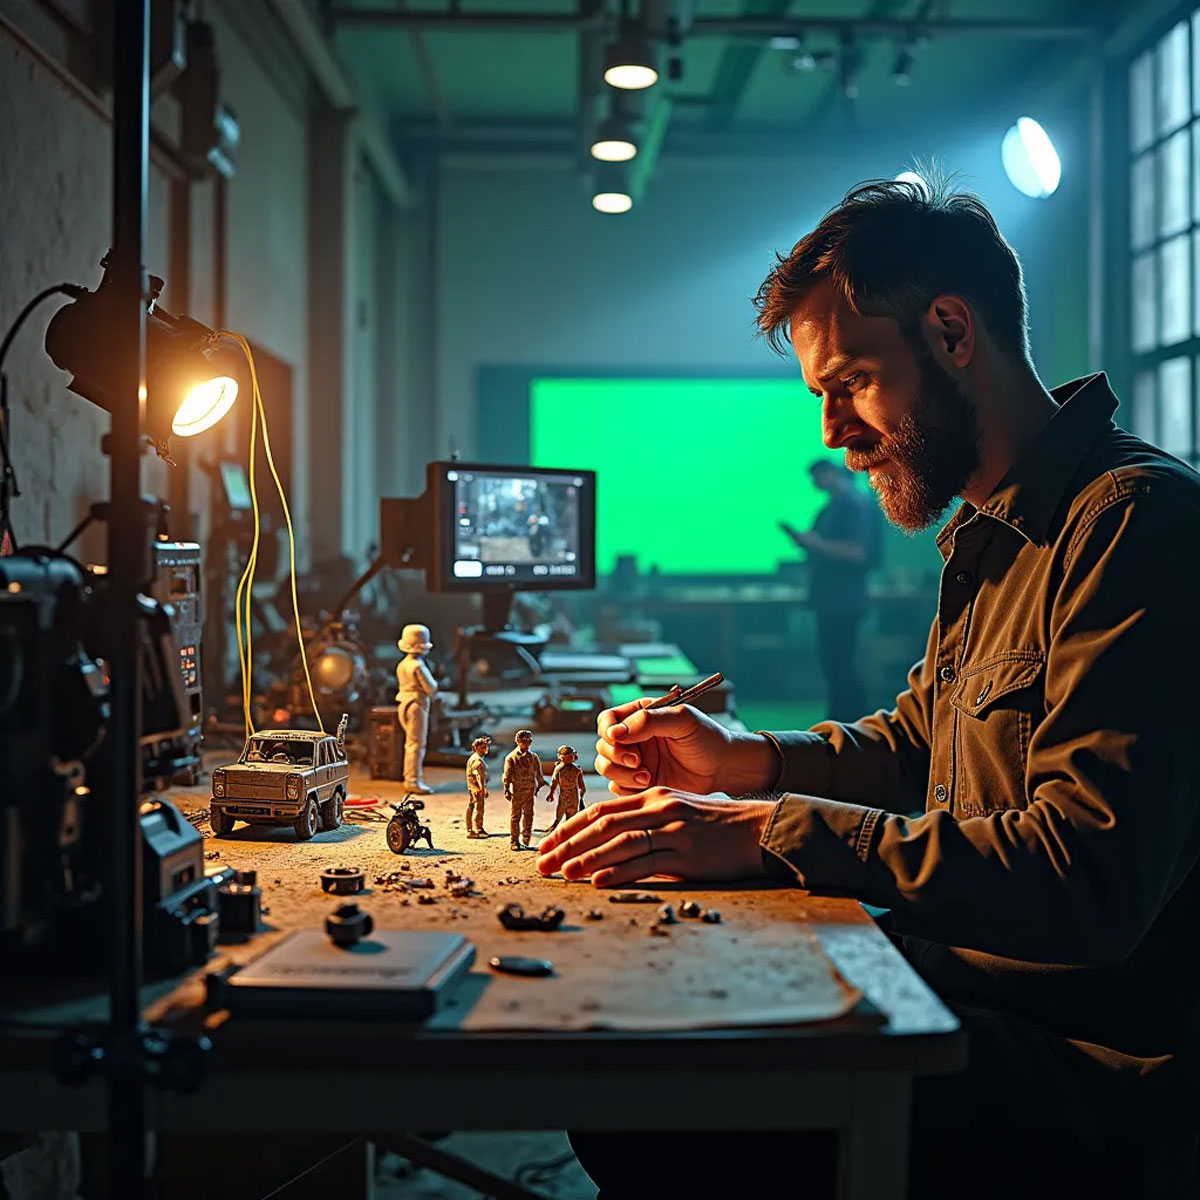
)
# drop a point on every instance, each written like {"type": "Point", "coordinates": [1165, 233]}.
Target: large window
{"type": "Point", "coordinates": [1164, 227]}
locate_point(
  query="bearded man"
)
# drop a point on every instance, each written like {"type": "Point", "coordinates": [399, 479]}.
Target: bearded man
{"type": "Point", "coordinates": [1029, 811]}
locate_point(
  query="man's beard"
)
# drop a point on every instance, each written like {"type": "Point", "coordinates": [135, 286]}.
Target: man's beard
{"type": "Point", "coordinates": [934, 450]}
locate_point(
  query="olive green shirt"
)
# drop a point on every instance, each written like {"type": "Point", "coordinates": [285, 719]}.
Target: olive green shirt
{"type": "Point", "coordinates": [1050, 740]}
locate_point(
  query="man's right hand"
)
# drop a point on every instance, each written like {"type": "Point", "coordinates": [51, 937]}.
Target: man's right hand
{"type": "Point", "coordinates": [682, 748]}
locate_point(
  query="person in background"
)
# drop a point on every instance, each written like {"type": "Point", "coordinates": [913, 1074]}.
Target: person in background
{"type": "Point", "coordinates": [842, 547]}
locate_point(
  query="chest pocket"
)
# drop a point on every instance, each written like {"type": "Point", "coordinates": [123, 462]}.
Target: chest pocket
{"type": "Point", "coordinates": [997, 701]}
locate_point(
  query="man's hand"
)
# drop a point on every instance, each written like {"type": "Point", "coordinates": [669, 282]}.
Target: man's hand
{"type": "Point", "coordinates": [798, 536]}
{"type": "Point", "coordinates": [659, 832]}
{"type": "Point", "coordinates": [679, 747]}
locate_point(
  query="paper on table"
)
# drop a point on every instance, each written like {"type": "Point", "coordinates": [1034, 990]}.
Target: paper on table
{"type": "Point", "coordinates": [701, 976]}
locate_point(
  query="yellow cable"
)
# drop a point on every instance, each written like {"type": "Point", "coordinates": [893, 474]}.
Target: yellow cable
{"type": "Point", "coordinates": [260, 413]}
{"type": "Point", "coordinates": [245, 584]}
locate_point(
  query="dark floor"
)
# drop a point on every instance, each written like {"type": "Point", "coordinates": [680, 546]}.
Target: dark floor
{"type": "Point", "coordinates": [502, 1153]}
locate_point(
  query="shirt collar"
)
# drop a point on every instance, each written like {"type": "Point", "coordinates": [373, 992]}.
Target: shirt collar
{"type": "Point", "coordinates": [1027, 497]}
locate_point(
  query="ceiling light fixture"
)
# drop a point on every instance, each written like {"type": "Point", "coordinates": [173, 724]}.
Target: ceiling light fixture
{"type": "Point", "coordinates": [614, 141]}
{"type": "Point", "coordinates": [611, 192]}
{"type": "Point", "coordinates": [630, 62]}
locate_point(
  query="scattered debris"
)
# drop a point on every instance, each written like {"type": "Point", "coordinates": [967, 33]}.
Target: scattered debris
{"type": "Point", "coordinates": [347, 923]}
{"type": "Point", "coordinates": [420, 883]}
{"type": "Point", "coordinates": [659, 930]}
{"type": "Point", "coordinates": [595, 914]}
{"type": "Point", "coordinates": [212, 854]}
{"type": "Point", "coordinates": [689, 908]}
{"type": "Point", "coordinates": [666, 915]}
{"type": "Point", "coordinates": [515, 965]}
{"type": "Point", "coordinates": [343, 881]}
{"type": "Point", "coordinates": [452, 876]}
{"type": "Point", "coordinates": [633, 920]}
{"type": "Point", "coordinates": [634, 898]}
{"type": "Point", "coordinates": [512, 916]}
{"type": "Point", "coordinates": [279, 883]}
{"type": "Point", "coordinates": [199, 816]}
{"type": "Point", "coordinates": [425, 898]}
{"type": "Point", "coordinates": [462, 888]}
{"type": "Point", "coordinates": [711, 916]}
{"type": "Point", "coordinates": [265, 909]}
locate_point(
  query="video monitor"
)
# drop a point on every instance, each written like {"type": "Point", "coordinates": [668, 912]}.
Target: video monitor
{"type": "Point", "coordinates": [237, 490]}
{"type": "Point", "coordinates": [513, 528]}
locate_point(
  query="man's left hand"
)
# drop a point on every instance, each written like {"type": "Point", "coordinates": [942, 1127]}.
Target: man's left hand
{"type": "Point", "coordinates": [659, 832]}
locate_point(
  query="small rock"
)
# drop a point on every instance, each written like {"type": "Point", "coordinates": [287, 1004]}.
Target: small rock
{"type": "Point", "coordinates": [634, 898]}
{"type": "Point", "coordinates": [595, 914]}
{"type": "Point", "coordinates": [425, 899]}
{"type": "Point", "coordinates": [689, 909]}
{"type": "Point", "coordinates": [666, 915]}
{"type": "Point", "coordinates": [265, 909]}
{"type": "Point", "coordinates": [657, 930]}
{"type": "Point", "coordinates": [633, 920]}
{"type": "Point", "coordinates": [711, 916]}
{"type": "Point", "coordinates": [213, 854]}
{"type": "Point", "coordinates": [421, 883]}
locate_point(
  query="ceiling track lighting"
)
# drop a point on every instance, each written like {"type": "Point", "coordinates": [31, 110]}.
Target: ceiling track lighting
{"type": "Point", "coordinates": [630, 63]}
{"type": "Point", "coordinates": [615, 141]}
{"type": "Point", "coordinates": [611, 192]}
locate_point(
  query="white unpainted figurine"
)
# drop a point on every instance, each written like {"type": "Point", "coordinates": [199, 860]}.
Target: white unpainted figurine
{"type": "Point", "coordinates": [568, 779]}
{"type": "Point", "coordinates": [522, 779]}
{"type": "Point", "coordinates": [415, 686]}
{"type": "Point", "coordinates": [477, 790]}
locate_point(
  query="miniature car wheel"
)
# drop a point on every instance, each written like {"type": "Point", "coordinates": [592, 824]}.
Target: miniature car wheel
{"type": "Point", "coordinates": [397, 837]}
{"type": "Point", "coordinates": [220, 822]}
{"type": "Point", "coordinates": [307, 819]}
{"type": "Point", "coordinates": [332, 811]}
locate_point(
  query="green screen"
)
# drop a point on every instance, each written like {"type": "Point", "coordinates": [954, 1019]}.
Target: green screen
{"type": "Point", "coordinates": [692, 474]}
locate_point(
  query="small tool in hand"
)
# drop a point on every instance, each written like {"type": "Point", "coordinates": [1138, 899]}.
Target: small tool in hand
{"type": "Point", "coordinates": [680, 696]}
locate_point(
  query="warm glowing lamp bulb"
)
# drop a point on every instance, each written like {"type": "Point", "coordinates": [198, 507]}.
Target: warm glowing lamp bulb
{"type": "Point", "coordinates": [632, 77]}
{"type": "Point", "coordinates": [613, 150]}
{"type": "Point", "coordinates": [205, 405]}
{"type": "Point", "coordinates": [612, 202]}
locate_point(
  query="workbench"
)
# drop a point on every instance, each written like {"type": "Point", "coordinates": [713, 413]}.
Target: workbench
{"type": "Point", "coordinates": [308, 1078]}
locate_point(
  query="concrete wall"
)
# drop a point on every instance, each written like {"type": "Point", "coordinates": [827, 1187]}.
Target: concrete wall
{"type": "Point", "coordinates": [55, 226]}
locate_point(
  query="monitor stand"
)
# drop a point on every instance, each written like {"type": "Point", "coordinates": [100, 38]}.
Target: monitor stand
{"type": "Point", "coordinates": [473, 641]}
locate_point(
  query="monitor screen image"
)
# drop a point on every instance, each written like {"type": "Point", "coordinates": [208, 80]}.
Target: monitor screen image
{"type": "Point", "coordinates": [516, 527]}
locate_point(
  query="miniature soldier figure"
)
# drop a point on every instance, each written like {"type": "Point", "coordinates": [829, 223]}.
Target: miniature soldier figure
{"type": "Point", "coordinates": [477, 792]}
{"type": "Point", "coordinates": [415, 686]}
{"type": "Point", "coordinates": [522, 781]}
{"type": "Point", "coordinates": [568, 778]}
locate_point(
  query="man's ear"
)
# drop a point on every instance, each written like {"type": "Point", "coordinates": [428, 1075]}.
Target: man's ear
{"type": "Point", "coordinates": [950, 328]}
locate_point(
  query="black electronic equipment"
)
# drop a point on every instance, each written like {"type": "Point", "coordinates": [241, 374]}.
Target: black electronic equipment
{"type": "Point", "coordinates": [481, 527]}
{"type": "Point", "coordinates": [177, 586]}
{"type": "Point", "coordinates": [54, 715]}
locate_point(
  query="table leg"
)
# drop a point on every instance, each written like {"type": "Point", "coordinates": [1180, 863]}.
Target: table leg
{"type": "Point", "coordinates": [873, 1156]}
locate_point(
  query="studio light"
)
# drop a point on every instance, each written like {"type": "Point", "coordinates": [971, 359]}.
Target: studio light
{"type": "Point", "coordinates": [614, 141]}
{"type": "Point", "coordinates": [1030, 160]}
{"type": "Point", "coordinates": [630, 63]}
{"type": "Point", "coordinates": [914, 178]}
{"type": "Point", "coordinates": [185, 391]}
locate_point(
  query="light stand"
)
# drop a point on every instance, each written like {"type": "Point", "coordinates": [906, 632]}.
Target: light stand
{"type": "Point", "coordinates": [126, 1052]}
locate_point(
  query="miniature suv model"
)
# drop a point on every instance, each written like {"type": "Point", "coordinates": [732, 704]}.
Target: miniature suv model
{"type": "Point", "coordinates": [294, 777]}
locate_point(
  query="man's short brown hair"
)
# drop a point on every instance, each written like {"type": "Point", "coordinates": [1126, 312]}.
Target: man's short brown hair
{"type": "Point", "coordinates": [890, 247]}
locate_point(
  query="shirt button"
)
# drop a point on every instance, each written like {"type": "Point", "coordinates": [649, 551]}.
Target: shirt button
{"type": "Point", "coordinates": [947, 675]}
{"type": "Point", "coordinates": [940, 793]}
{"type": "Point", "coordinates": [963, 578]}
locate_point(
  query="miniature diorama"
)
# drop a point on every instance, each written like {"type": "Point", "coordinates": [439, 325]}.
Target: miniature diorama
{"type": "Point", "coordinates": [296, 777]}
{"type": "Point", "coordinates": [522, 781]}
{"type": "Point", "coordinates": [405, 828]}
{"type": "Point", "coordinates": [568, 781]}
{"type": "Point", "coordinates": [477, 790]}
{"type": "Point", "coordinates": [415, 686]}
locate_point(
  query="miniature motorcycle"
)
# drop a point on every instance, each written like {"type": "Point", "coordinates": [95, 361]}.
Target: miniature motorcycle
{"type": "Point", "coordinates": [405, 828]}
